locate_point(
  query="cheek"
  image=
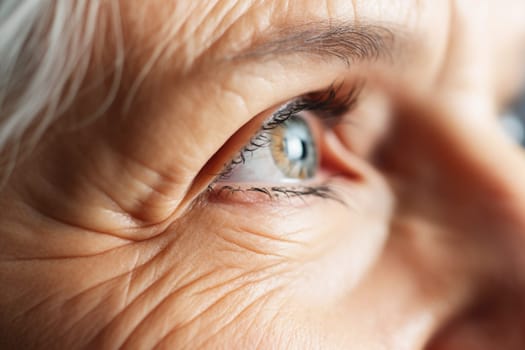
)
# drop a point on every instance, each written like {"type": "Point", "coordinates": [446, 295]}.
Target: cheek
{"type": "Point", "coordinates": [225, 271]}
{"type": "Point", "coordinates": [244, 271]}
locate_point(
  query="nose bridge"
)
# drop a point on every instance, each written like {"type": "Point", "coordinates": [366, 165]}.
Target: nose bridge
{"type": "Point", "coordinates": [476, 173]}
{"type": "Point", "coordinates": [477, 159]}
{"type": "Point", "coordinates": [458, 160]}
{"type": "Point", "coordinates": [491, 167]}
{"type": "Point", "coordinates": [485, 170]}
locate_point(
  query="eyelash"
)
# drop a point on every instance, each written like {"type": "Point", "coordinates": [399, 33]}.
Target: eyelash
{"type": "Point", "coordinates": [330, 107]}
{"type": "Point", "coordinates": [322, 191]}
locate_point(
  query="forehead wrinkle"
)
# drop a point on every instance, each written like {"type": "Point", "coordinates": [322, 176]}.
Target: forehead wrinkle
{"type": "Point", "coordinates": [178, 32]}
{"type": "Point", "coordinates": [206, 27]}
{"type": "Point", "coordinates": [177, 38]}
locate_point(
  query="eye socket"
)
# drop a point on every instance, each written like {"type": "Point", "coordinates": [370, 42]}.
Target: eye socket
{"type": "Point", "coordinates": [284, 157]}
{"type": "Point", "coordinates": [513, 120]}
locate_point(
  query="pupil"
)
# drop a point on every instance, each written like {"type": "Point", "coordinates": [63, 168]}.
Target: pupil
{"type": "Point", "coordinates": [305, 150]}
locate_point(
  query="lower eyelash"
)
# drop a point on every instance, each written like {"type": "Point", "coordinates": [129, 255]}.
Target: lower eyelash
{"type": "Point", "coordinates": [279, 192]}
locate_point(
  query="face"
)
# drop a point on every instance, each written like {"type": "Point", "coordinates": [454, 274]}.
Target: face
{"type": "Point", "coordinates": [277, 174]}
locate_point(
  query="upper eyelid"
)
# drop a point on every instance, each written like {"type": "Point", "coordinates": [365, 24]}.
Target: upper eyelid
{"type": "Point", "coordinates": [327, 100]}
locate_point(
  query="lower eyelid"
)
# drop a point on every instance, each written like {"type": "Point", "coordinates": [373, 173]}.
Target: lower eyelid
{"type": "Point", "coordinates": [294, 195]}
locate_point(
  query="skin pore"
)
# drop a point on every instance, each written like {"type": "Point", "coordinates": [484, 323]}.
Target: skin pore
{"type": "Point", "coordinates": [115, 233]}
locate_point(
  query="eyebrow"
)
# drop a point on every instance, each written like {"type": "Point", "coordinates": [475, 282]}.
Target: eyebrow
{"type": "Point", "coordinates": [348, 42]}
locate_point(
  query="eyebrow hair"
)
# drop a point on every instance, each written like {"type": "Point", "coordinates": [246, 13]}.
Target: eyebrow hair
{"type": "Point", "coordinates": [348, 42]}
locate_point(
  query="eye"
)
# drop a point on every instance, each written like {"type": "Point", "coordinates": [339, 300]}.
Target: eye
{"type": "Point", "coordinates": [284, 156]}
{"type": "Point", "coordinates": [513, 120]}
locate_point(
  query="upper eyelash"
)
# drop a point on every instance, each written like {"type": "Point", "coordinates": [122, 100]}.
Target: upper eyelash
{"type": "Point", "coordinates": [327, 101]}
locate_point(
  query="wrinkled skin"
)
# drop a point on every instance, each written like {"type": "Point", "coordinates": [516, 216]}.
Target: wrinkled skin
{"type": "Point", "coordinates": [110, 239]}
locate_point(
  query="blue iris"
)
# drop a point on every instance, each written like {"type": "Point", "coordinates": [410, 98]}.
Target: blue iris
{"type": "Point", "coordinates": [514, 120]}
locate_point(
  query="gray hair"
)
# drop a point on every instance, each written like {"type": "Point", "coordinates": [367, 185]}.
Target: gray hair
{"type": "Point", "coordinates": [45, 52]}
